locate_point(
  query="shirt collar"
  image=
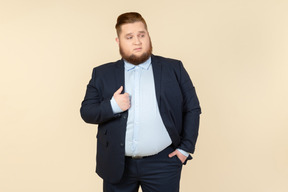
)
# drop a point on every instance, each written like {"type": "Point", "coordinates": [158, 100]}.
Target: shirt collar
{"type": "Point", "coordinates": [144, 65]}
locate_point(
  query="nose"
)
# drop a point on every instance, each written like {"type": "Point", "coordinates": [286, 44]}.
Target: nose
{"type": "Point", "coordinates": [137, 41]}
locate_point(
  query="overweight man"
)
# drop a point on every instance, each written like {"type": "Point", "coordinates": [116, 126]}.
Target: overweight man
{"type": "Point", "coordinates": [147, 113]}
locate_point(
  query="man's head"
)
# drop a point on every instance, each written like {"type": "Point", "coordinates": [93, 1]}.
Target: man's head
{"type": "Point", "coordinates": [133, 38]}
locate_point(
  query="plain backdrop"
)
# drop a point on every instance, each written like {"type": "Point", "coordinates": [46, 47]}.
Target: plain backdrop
{"type": "Point", "coordinates": [235, 51]}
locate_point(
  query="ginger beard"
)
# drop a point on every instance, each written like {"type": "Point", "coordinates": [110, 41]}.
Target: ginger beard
{"type": "Point", "coordinates": [136, 60]}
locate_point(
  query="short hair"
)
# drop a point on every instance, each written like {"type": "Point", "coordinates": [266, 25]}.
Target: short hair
{"type": "Point", "coordinates": [129, 17]}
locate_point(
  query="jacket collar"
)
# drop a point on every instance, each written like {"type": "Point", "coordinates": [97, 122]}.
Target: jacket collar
{"type": "Point", "coordinates": [157, 69]}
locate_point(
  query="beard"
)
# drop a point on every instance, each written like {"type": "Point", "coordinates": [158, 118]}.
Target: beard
{"type": "Point", "coordinates": [136, 60]}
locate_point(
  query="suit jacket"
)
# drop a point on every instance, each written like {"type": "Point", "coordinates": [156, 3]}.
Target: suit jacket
{"type": "Point", "coordinates": [177, 101]}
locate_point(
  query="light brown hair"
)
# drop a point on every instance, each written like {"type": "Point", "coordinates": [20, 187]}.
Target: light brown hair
{"type": "Point", "coordinates": [130, 17]}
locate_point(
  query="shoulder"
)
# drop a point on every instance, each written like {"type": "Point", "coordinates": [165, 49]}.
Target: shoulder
{"type": "Point", "coordinates": [162, 59]}
{"type": "Point", "coordinates": [168, 63]}
{"type": "Point", "coordinates": [109, 66]}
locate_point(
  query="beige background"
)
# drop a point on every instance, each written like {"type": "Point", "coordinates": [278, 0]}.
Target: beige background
{"type": "Point", "coordinates": [236, 53]}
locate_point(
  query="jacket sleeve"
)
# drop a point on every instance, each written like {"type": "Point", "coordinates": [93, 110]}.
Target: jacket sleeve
{"type": "Point", "coordinates": [191, 112]}
{"type": "Point", "coordinates": [94, 108]}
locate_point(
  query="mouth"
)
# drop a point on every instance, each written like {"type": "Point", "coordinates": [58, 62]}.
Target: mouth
{"type": "Point", "coordinates": [137, 49]}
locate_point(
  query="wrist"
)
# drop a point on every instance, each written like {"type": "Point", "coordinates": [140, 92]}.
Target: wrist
{"type": "Point", "coordinates": [183, 152]}
{"type": "Point", "coordinates": [115, 106]}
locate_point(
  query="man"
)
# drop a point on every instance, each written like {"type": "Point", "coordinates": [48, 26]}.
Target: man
{"type": "Point", "coordinates": [147, 113]}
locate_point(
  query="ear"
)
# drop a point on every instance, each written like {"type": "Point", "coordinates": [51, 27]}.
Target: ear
{"type": "Point", "coordinates": [117, 40]}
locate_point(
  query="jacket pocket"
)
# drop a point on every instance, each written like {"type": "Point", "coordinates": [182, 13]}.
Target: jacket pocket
{"type": "Point", "coordinates": [102, 137]}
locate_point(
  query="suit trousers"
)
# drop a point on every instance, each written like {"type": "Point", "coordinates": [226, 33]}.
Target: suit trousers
{"type": "Point", "coordinates": [156, 173]}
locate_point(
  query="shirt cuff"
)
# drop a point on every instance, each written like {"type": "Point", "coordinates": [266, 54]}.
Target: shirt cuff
{"type": "Point", "coordinates": [183, 152]}
{"type": "Point", "coordinates": [115, 106]}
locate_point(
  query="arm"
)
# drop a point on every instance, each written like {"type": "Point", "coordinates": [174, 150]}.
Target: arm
{"type": "Point", "coordinates": [191, 113]}
{"type": "Point", "coordinates": [190, 117]}
{"type": "Point", "coordinates": [94, 108]}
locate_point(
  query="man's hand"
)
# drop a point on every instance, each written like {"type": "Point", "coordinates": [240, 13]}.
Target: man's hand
{"type": "Point", "coordinates": [122, 100]}
{"type": "Point", "coordinates": [179, 155]}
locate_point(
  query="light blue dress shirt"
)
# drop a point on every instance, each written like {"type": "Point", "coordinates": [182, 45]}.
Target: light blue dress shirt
{"type": "Point", "coordinates": [145, 132]}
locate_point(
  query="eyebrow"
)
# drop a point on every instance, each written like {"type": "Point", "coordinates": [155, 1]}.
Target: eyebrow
{"type": "Point", "coordinates": [129, 34]}
{"type": "Point", "coordinates": [132, 33]}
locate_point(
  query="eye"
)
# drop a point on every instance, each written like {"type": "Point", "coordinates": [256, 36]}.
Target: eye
{"type": "Point", "coordinates": [129, 37]}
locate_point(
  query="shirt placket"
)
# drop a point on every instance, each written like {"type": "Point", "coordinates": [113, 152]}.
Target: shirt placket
{"type": "Point", "coordinates": [136, 108]}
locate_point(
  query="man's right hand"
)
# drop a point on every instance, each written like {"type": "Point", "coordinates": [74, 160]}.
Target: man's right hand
{"type": "Point", "coordinates": [122, 100]}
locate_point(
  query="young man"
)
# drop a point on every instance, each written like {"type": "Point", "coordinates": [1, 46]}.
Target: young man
{"type": "Point", "coordinates": [147, 113]}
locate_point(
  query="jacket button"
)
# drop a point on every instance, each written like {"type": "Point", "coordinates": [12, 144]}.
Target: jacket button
{"type": "Point", "coordinates": [121, 144]}
{"type": "Point", "coordinates": [124, 117]}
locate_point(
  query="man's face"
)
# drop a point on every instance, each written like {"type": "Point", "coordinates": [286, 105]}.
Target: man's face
{"type": "Point", "coordinates": [134, 43]}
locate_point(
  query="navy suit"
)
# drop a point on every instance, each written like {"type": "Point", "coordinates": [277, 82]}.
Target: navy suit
{"type": "Point", "coordinates": [177, 101]}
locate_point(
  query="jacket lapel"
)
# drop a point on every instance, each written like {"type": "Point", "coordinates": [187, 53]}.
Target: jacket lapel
{"type": "Point", "coordinates": [119, 74]}
{"type": "Point", "coordinates": [156, 66]}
